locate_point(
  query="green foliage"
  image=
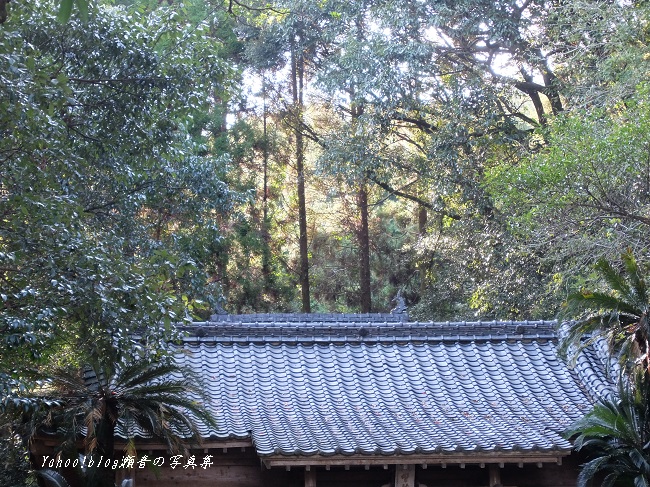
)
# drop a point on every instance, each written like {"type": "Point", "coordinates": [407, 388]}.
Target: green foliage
{"type": "Point", "coordinates": [418, 133]}
{"type": "Point", "coordinates": [580, 195]}
{"type": "Point", "coordinates": [106, 209]}
{"type": "Point", "coordinates": [15, 470]}
{"type": "Point", "coordinates": [586, 194]}
{"type": "Point", "coordinates": [65, 9]}
{"type": "Point", "coordinates": [620, 315]}
{"type": "Point", "coordinates": [110, 209]}
{"type": "Point", "coordinates": [157, 398]}
{"type": "Point", "coordinates": [616, 433]}
{"type": "Point", "coordinates": [335, 259]}
{"type": "Point", "coordinates": [601, 49]}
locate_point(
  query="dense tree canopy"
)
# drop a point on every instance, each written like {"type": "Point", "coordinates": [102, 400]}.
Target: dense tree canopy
{"type": "Point", "coordinates": [139, 168]}
{"type": "Point", "coordinates": [158, 159]}
{"type": "Point", "coordinates": [108, 207]}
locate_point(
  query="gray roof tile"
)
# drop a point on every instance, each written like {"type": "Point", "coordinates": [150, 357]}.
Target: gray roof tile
{"type": "Point", "coordinates": [313, 385]}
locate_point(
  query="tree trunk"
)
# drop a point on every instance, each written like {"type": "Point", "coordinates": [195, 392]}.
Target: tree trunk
{"type": "Point", "coordinates": [363, 235]}
{"type": "Point", "coordinates": [297, 81]}
{"type": "Point", "coordinates": [364, 250]}
{"type": "Point", "coordinates": [266, 236]}
{"type": "Point", "coordinates": [97, 474]}
{"type": "Point", "coordinates": [422, 230]}
{"type": "Point", "coordinates": [3, 11]}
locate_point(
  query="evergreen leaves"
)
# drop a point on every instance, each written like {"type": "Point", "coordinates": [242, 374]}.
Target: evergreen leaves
{"type": "Point", "coordinates": [107, 203]}
{"type": "Point", "coordinates": [619, 315]}
{"type": "Point", "coordinates": [616, 433]}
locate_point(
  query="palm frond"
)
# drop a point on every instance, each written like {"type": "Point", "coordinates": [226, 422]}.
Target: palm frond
{"type": "Point", "coordinates": [617, 433]}
{"type": "Point", "coordinates": [590, 469]}
{"type": "Point", "coordinates": [619, 315]}
{"type": "Point", "coordinates": [52, 478]}
{"type": "Point", "coordinates": [615, 280]}
{"type": "Point", "coordinates": [639, 286]}
{"type": "Point", "coordinates": [594, 302]}
{"type": "Point", "coordinates": [158, 399]}
{"type": "Point", "coordinates": [641, 481]}
{"type": "Point", "coordinates": [137, 374]}
{"type": "Point", "coordinates": [610, 480]}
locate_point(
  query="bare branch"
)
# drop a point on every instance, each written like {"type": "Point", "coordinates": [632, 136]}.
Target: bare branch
{"type": "Point", "coordinates": [413, 198]}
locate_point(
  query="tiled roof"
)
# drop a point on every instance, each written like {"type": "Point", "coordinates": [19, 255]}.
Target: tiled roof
{"type": "Point", "coordinates": [377, 385]}
{"type": "Point", "coordinates": [281, 318]}
{"type": "Point", "coordinates": [335, 330]}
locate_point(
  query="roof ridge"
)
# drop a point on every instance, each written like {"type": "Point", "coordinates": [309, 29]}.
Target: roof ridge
{"type": "Point", "coordinates": [362, 330]}
{"type": "Point", "coordinates": [308, 317]}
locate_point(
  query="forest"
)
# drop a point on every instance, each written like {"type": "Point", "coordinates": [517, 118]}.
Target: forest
{"type": "Point", "coordinates": [163, 159]}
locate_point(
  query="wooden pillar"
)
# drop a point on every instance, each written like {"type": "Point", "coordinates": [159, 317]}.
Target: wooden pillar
{"type": "Point", "coordinates": [310, 478]}
{"type": "Point", "coordinates": [495, 475]}
{"type": "Point", "coordinates": [404, 475]}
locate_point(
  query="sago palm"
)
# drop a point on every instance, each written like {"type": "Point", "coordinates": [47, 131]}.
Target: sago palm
{"type": "Point", "coordinates": [620, 315]}
{"type": "Point", "coordinates": [158, 399]}
{"type": "Point", "coordinates": [616, 433]}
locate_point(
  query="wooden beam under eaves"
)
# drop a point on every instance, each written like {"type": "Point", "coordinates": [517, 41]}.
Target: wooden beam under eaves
{"type": "Point", "coordinates": [310, 478]}
{"type": "Point", "coordinates": [405, 476]}
{"type": "Point", "coordinates": [441, 460]}
{"type": "Point", "coordinates": [495, 475]}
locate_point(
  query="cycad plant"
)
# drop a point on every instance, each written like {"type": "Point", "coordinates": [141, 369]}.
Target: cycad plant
{"type": "Point", "coordinates": [155, 399]}
{"type": "Point", "coordinates": [616, 433]}
{"type": "Point", "coordinates": [620, 315]}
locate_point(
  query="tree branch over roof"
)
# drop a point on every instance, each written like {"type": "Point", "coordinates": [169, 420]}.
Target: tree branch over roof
{"type": "Point", "coordinates": [410, 197]}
